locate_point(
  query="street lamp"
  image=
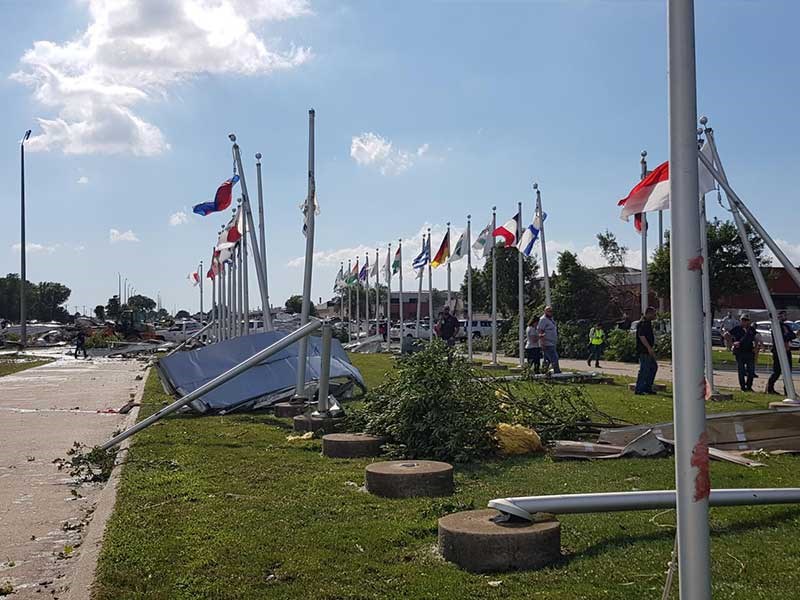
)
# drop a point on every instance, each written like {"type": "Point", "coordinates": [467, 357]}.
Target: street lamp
{"type": "Point", "coordinates": [22, 274]}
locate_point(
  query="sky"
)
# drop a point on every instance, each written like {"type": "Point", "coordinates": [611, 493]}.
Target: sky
{"type": "Point", "coordinates": [425, 112]}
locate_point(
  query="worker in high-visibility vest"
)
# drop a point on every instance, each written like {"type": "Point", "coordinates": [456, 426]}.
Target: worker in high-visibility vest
{"type": "Point", "coordinates": [597, 339]}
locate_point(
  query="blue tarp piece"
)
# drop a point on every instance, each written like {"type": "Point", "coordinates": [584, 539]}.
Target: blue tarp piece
{"type": "Point", "coordinates": [186, 371]}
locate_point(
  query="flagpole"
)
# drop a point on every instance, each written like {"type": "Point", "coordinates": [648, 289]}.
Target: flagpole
{"type": "Point", "coordinates": [341, 292]}
{"type": "Point", "coordinates": [223, 290]}
{"type": "Point", "coordinates": [691, 444]}
{"type": "Point", "coordinates": [520, 292]}
{"type": "Point", "coordinates": [266, 312]}
{"type": "Point", "coordinates": [494, 286]}
{"type": "Point", "coordinates": [349, 304]}
{"type": "Point", "coordinates": [448, 267]}
{"type": "Point", "coordinates": [232, 298]}
{"type": "Point", "coordinates": [358, 304]}
{"type": "Point", "coordinates": [245, 284]}
{"type": "Point", "coordinates": [366, 292]}
{"type": "Point", "coordinates": [469, 289]}
{"type": "Point", "coordinates": [400, 288]}
{"type": "Point", "coordinates": [377, 293]}
{"type": "Point", "coordinates": [430, 289]}
{"type": "Point", "coordinates": [419, 296]}
{"type": "Point", "coordinates": [240, 267]}
{"type": "Point", "coordinates": [260, 272]}
{"type": "Point", "coordinates": [310, 213]}
{"type": "Point", "coordinates": [213, 301]}
{"type": "Point", "coordinates": [238, 290]}
{"type": "Point", "coordinates": [388, 295]}
{"type": "Point", "coordinates": [706, 289]}
{"type": "Point", "coordinates": [547, 299]}
{"type": "Point", "coordinates": [645, 293]}
{"type": "Point", "coordinates": [200, 278]}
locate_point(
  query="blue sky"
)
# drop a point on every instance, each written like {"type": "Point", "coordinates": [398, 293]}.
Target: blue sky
{"type": "Point", "coordinates": [477, 99]}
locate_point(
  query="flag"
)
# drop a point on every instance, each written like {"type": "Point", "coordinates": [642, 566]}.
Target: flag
{"type": "Point", "coordinates": [396, 261]}
{"type": "Point", "coordinates": [387, 268]}
{"type": "Point", "coordinates": [508, 231]}
{"type": "Point", "coordinates": [443, 253]}
{"type": "Point", "coordinates": [483, 245]}
{"type": "Point", "coordinates": [530, 235]}
{"type": "Point", "coordinates": [339, 282]}
{"type": "Point", "coordinates": [373, 272]}
{"type": "Point", "coordinates": [352, 276]}
{"type": "Point", "coordinates": [305, 203]}
{"type": "Point", "coordinates": [424, 256]}
{"type": "Point", "coordinates": [459, 250]}
{"type": "Point", "coordinates": [222, 199]}
{"type": "Point", "coordinates": [232, 232]}
{"type": "Point", "coordinates": [362, 275]}
{"type": "Point", "coordinates": [652, 192]}
{"type": "Point", "coordinates": [214, 268]}
{"type": "Point", "coordinates": [194, 277]}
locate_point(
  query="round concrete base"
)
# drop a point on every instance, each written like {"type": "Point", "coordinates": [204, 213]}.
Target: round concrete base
{"type": "Point", "coordinates": [350, 445]}
{"type": "Point", "coordinates": [410, 478]}
{"type": "Point", "coordinates": [310, 423]}
{"type": "Point", "coordinates": [474, 542]}
{"type": "Point", "coordinates": [657, 387]}
{"type": "Point", "coordinates": [287, 410]}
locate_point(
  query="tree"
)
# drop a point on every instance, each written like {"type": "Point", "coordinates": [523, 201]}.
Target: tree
{"type": "Point", "coordinates": [611, 249]}
{"type": "Point", "coordinates": [141, 302]}
{"type": "Point", "coordinates": [615, 254]}
{"type": "Point", "coordinates": [729, 270]}
{"type": "Point", "coordinates": [49, 297]}
{"type": "Point", "coordinates": [100, 312]}
{"type": "Point", "coordinates": [113, 307]}
{"type": "Point", "coordinates": [182, 314]}
{"type": "Point", "coordinates": [507, 281]}
{"type": "Point", "coordinates": [9, 296]}
{"type": "Point", "coordinates": [578, 292]}
{"type": "Point", "coordinates": [294, 305]}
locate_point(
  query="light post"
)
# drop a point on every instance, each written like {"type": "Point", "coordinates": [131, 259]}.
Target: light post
{"type": "Point", "coordinates": [22, 274]}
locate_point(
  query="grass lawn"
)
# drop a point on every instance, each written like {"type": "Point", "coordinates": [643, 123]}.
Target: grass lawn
{"type": "Point", "coordinates": [226, 507]}
{"type": "Point", "coordinates": [725, 358]}
{"type": "Point", "coordinates": [8, 367]}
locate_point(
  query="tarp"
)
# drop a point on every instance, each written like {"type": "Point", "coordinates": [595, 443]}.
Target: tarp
{"type": "Point", "coordinates": [184, 372]}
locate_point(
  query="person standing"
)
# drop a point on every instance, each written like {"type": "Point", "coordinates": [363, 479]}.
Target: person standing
{"type": "Point", "coordinates": [728, 323]}
{"type": "Point", "coordinates": [533, 351]}
{"type": "Point", "coordinates": [597, 339]}
{"type": "Point", "coordinates": [645, 347]}
{"type": "Point", "coordinates": [447, 327]}
{"type": "Point", "coordinates": [782, 345]}
{"type": "Point", "coordinates": [548, 338]}
{"type": "Point", "coordinates": [80, 344]}
{"type": "Point", "coordinates": [743, 341]}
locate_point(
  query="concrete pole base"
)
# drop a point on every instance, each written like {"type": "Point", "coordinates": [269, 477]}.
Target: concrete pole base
{"type": "Point", "coordinates": [657, 387]}
{"type": "Point", "coordinates": [476, 543]}
{"type": "Point", "coordinates": [495, 367]}
{"type": "Point", "coordinates": [351, 445]}
{"type": "Point", "coordinates": [306, 423]}
{"type": "Point", "coordinates": [409, 478]}
{"type": "Point", "coordinates": [287, 410]}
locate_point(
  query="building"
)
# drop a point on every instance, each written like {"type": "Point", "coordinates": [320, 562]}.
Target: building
{"type": "Point", "coordinates": [333, 307]}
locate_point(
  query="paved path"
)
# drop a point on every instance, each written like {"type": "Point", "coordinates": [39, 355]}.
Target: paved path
{"type": "Point", "coordinates": [42, 517]}
{"type": "Point", "coordinates": [722, 378]}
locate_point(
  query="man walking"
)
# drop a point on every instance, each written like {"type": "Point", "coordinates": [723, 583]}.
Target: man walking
{"type": "Point", "coordinates": [645, 347]}
{"type": "Point", "coordinates": [447, 327]}
{"type": "Point", "coordinates": [780, 345]}
{"type": "Point", "coordinates": [597, 338]}
{"type": "Point", "coordinates": [742, 340]}
{"type": "Point", "coordinates": [80, 344]}
{"type": "Point", "coordinates": [548, 338]}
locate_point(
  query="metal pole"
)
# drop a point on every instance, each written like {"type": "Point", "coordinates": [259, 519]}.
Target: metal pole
{"type": "Point", "coordinates": [565, 504]}
{"type": "Point", "coordinates": [214, 314]}
{"type": "Point", "coordinates": [311, 205]}
{"type": "Point", "coordinates": [23, 317]}
{"type": "Point", "coordinates": [520, 292]}
{"type": "Point", "coordinates": [246, 286]}
{"type": "Point", "coordinates": [645, 300]}
{"type": "Point", "coordinates": [691, 447]}
{"type": "Point", "coordinates": [231, 298]}
{"type": "Point", "coordinates": [707, 315]}
{"type": "Point", "coordinates": [400, 288]}
{"type": "Point", "coordinates": [448, 270]}
{"type": "Point", "coordinates": [240, 290]}
{"type": "Point", "coordinates": [323, 406]}
{"type": "Point", "coordinates": [547, 299]}
{"type": "Point", "coordinates": [243, 366]}
{"type": "Point", "coordinates": [430, 288]}
{"type": "Point", "coordinates": [191, 337]}
{"type": "Point", "coordinates": [751, 219]}
{"type": "Point", "coordinates": [468, 241]}
{"type": "Point", "coordinates": [389, 298]}
{"type": "Point", "coordinates": [200, 277]}
{"type": "Point", "coordinates": [349, 304]}
{"type": "Point", "coordinates": [266, 312]}
{"type": "Point", "coordinates": [119, 289]}
{"type": "Point", "coordinates": [358, 304]}
{"type": "Point", "coordinates": [366, 292]}
{"type": "Point", "coordinates": [420, 274]}
{"type": "Point", "coordinates": [377, 293]}
{"type": "Point", "coordinates": [494, 287]}
{"type": "Point", "coordinates": [341, 294]}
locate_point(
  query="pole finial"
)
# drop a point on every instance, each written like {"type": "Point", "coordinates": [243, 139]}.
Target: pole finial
{"type": "Point", "coordinates": [644, 154]}
{"type": "Point", "coordinates": [469, 217]}
{"type": "Point", "coordinates": [258, 155]}
{"type": "Point", "coordinates": [232, 137]}
{"type": "Point", "coordinates": [703, 120]}
{"type": "Point", "coordinates": [535, 186]}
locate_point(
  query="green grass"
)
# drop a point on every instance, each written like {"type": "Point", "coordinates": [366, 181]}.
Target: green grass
{"type": "Point", "coordinates": [226, 507]}
{"type": "Point", "coordinates": [9, 367]}
{"type": "Point", "coordinates": [725, 358]}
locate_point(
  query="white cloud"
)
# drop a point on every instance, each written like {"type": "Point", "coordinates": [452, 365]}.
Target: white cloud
{"type": "Point", "coordinates": [82, 180]}
{"type": "Point", "coordinates": [132, 52]}
{"type": "Point", "coordinates": [178, 218]}
{"type": "Point", "coordinates": [371, 149]}
{"type": "Point", "coordinates": [115, 235]}
{"type": "Point", "coordinates": [31, 248]}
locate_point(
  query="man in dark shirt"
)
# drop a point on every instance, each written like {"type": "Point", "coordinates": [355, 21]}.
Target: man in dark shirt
{"type": "Point", "coordinates": [742, 340]}
{"type": "Point", "coordinates": [780, 345]}
{"type": "Point", "coordinates": [645, 347]}
{"type": "Point", "coordinates": [80, 344]}
{"type": "Point", "coordinates": [448, 327]}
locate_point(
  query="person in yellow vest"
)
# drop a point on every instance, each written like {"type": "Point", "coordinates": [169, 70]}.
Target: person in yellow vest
{"type": "Point", "coordinates": [597, 339]}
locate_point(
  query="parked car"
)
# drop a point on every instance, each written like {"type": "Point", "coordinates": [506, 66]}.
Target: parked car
{"type": "Point", "coordinates": [764, 328]}
{"type": "Point", "coordinates": [410, 331]}
{"type": "Point", "coordinates": [480, 328]}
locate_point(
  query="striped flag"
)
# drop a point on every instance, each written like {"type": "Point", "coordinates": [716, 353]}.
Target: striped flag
{"type": "Point", "coordinates": [396, 262]}
{"type": "Point", "coordinates": [443, 253]}
{"type": "Point", "coordinates": [530, 235]}
{"type": "Point", "coordinates": [508, 231]}
{"type": "Point", "coordinates": [424, 256]}
{"type": "Point", "coordinates": [194, 278]}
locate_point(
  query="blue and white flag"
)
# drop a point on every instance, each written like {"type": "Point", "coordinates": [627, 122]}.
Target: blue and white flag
{"type": "Point", "coordinates": [530, 235]}
{"type": "Point", "coordinates": [424, 256]}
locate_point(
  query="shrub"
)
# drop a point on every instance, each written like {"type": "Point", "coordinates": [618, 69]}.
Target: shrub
{"type": "Point", "coordinates": [621, 346]}
{"type": "Point", "coordinates": [573, 340]}
{"type": "Point", "coordinates": [663, 346]}
{"type": "Point", "coordinates": [102, 340]}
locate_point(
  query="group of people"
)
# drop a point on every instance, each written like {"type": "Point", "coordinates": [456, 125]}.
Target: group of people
{"type": "Point", "coordinates": [541, 339]}
{"type": "Point", "coordinates": [746, 343]}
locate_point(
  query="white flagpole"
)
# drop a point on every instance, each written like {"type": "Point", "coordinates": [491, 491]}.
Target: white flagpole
{"type": "Point", "coordinates": [266, 313]}
{"type": "Point", "coordinates": [547, 299]}
{"type": "Point", "coordinates": [468, 241]}
{"type": "Point", "coordinates": [358, 305]}
{"type": "Point", "coordinates": [494, 286]}
{"type": "Point", "coordinates": [221, 302]}
{"type": "Point", "coordinates": [400, 288]}
{"type": "Point", "coordinates": [389, 295]}
{"type": "Point", "coordinates": [430, 289]}
{"type": "Point", "coordinates": [421, 274]}
{"type": "Point", "coordinates": [341, 292]}
{"type": "Point", "coordinates": [245, 284]}
{"type": "Point", "coordinates": [311, 206]}
{"type": "Point", "coordinates": [644, 291]}
{"type": "Point", "coordinates": [520, 292]}
{"type": "Point", "coordinates": [349, 303]}
{"type": "Point", "coordinates": [200, 278]}
{"type": "Point", "coordinates": [366, 292]}
{"type": "Point", "coordinates": [239, 293]}
{"type": "Point", "coordinates": [213, 300]}
{"type": "Point", "coordinates": [229, 311]}
{"type": "Point", "coordinates": [691, 449]}
{"type": "Point", "coordinates": [448, 269]}
{"type": "Point", "coordinates": [377, 292]}
{"type": "Point", "coordinates": [706, 289]}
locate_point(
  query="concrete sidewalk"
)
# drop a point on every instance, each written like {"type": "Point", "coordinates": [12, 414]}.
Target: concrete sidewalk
{"type": "Point", "coordinates": [43, 517]}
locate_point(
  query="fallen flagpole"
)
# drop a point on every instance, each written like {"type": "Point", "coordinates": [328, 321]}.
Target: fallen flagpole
{"type": "Point", "coordinates": [265, 310]}
{"type": "Point", "coordinates": [692, 477]}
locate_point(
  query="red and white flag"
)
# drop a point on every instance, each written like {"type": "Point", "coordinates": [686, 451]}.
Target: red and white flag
{"type": "Point", "coordinates": [652, 192]}
{"type": "Point", "coordinates": [508, 231]}
{"type": "Point", "coordinates": [194, 277]}
{"type": "Point", "coordinates": [233, 231]}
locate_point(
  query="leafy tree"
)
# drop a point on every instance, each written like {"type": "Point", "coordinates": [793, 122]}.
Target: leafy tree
{"type": "Point", "coordinates": [507, 281]}
{"type": "Point", "coordinates": [141, 302]}
{"type": "Point", "coordinates": [610, 248]}
{"type": "Point", "coordinates": [113, 307]}
{"type": "Point", "coordinates": [182, 314]}
{"type": "Point", "coordinates": [9, 296]}
{"type": "Point", "coordinates": [100, 312]}
{"type": "Point", "coordinates": [729, 269]}
{"type": "Point", "coordinates": [49, 297]}
{"type": "Point", "coordinates": [578, 292]}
